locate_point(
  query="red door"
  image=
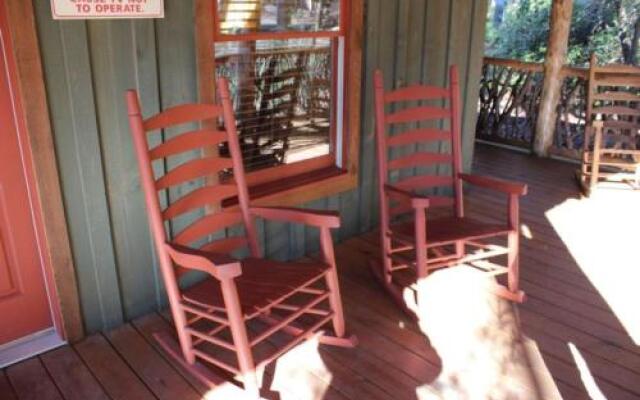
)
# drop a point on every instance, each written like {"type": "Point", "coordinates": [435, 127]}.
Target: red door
{"type": "Point", "coordinates": [24, 304]}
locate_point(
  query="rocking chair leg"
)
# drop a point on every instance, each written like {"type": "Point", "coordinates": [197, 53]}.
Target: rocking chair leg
{"type": "Point", "coordinates": [336, 303]}
{"type": "Point", "coordinates": [421, 253]}
{"type": "Point", "coordinates": [513, 257]}
{"type": "Point", "coordinates": [240, 338]}
{"type": "Point", "coordinates": [386, 259]}
{"type": "Point", "coordinates": [460, 249]}
{"type": "Point", "coordinates": [513, 262]}
{"type": "Point", "coordinates": [332, 283]}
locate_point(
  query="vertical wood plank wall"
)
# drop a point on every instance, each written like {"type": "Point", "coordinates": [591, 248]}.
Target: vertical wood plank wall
{"type": "Point", "coordinates": [88, 66]}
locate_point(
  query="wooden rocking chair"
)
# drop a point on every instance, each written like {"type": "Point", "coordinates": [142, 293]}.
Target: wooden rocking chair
{"type": "Point", "coordinates": [246, 313]}
{"type": "Point", "coordinates": [412, 248]}
{"type": "Point", "coordinates": [611, 147]}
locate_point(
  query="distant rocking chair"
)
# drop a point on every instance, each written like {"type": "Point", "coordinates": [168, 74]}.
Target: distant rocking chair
{"type": "Point", "coordinates": [611, 147]}
{"type": "Point", "coordinates": [413, 248]}
{"type": "Point", "coordinates": [245, 313]}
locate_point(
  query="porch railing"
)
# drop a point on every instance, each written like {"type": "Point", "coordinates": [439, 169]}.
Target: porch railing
{"type": "Point", "coordinates": [509, 101]}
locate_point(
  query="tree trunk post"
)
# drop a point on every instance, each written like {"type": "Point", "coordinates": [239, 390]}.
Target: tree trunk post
{"type": "Point", "coordinates": [554, 61]}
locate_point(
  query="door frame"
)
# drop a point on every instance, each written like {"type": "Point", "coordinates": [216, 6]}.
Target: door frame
{"type": "Point", "coordinates": [43, 178]}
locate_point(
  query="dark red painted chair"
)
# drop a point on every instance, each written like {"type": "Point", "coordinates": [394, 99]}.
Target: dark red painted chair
{"type": "Point", "coordinates": [422, 244]}
{"type": "Point", "coordinates": [229, 319]}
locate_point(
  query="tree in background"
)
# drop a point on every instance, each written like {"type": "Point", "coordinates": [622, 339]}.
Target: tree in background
{"type": "Point", "coordinates": [519, 29]}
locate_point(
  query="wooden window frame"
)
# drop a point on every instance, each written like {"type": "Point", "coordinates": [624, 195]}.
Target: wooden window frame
{"type": "Point", "coordinates": [310, 179]}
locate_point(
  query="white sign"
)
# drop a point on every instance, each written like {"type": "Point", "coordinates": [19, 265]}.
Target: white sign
{"type": "Point", "coordinates": [93, 9]}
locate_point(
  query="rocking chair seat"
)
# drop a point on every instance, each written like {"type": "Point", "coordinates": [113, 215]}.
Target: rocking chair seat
{"type": "Point", "coordinates": [445, 230]}
{"type": "Point", "coordinates": [262, 284]}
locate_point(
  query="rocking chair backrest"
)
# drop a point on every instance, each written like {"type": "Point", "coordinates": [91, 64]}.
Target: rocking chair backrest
{"type": "Point", "coordinates": [447, 110]}
{"type": "Point", "coordinates": [613, 95]}
{"type": "Point", "coordinates": [208, 196]}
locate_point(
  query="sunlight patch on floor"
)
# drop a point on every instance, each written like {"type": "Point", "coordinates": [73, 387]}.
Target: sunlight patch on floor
{"type": "Point", "coordinates": [585, 374]}
{"type": "Point", "coordinates": [602, 233]}
{"type": "Point", "coordinates": [299, 374]}
{"type": "Point", "coordinates": [225, 391]}
{"type": "Point", "coordinates": [525, 231]}
{"type": "Point", "coordinates": [476, 336]}
{"type": "Point", "coordinates": [302, 382]}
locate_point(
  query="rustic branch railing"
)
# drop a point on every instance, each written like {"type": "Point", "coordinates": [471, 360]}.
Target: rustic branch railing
{"type": "Point", "coordinates": [509, 100]}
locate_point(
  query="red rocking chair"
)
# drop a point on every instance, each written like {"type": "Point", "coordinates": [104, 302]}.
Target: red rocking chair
{"type": "Point", "coordinates": [231, 319]}
{"type": "Point", "coordinates": [421, 245]}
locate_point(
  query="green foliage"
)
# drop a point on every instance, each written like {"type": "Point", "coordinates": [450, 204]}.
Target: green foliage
{"type": "Point", "coordinates": [609, 28]}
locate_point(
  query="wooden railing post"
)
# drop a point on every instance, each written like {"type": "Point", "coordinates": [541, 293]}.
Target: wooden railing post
{"type": "Point", "coordinates": [554, 60]}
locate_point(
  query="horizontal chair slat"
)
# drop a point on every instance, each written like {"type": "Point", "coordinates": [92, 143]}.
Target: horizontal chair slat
{"type": "Point", "coordinates": [616, 110]}
{"type": "Point", "coordinates": [416, 92]}
{"type": "Point", "coordinates": [211, 339]}
{"type": "Point", "coordinates": [617, 124]}
{"type": "Point", "coordinates": [182, 114]}
{"type": "Point", "coordinates": [292, 317]}
{"type": "Point", "coordinates": [418, 135]}
{"type": "Point", "coordinates": [418, 114]}
{"type": "Point", "coordinates": [226, 245]}
{"type": "Point", "coordinates": [187, 141]}
{"type": "Point", "coordinates": [404, 206]}
{"type": "Point", "coordinates": [208, 195]}
{"type": "Point", "coordinates": [192, 170]}
{"type": "Point", "coordinates": [616, 68]}
{"type": "Point", "coordinates": [215, 361]}
{"type": "Point", "coordinates": [207, 225]}
{"type": "Point", "coordinates": [619, 151]}
{"type": "Point", "coordinates": [608, 79]}
{"type": "Point", "coordinates": [441, 201]}
{"type": "Point", "coordinates": [616, 96]}
{"type": "Point", "coordinates": [308, 333]}
{"type": "Point", "coordinates": [424, 182]}
{"type": "Point", "coordinates": [417, 159]}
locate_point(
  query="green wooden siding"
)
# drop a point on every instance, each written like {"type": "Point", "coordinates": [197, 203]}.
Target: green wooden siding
{"type": "Point", "coordinates": [88, 66]}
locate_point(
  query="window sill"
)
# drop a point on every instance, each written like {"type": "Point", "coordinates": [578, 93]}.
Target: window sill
{"type": "Point", "coordinates": [301, 188]}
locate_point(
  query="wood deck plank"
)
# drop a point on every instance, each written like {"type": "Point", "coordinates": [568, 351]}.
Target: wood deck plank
{"type": "Point", "coordinates": [71, 375]}
{"type": "Point", "coordinates": [5, 388]}
{"type": "Point", "coordinates": [154, 371]}
{"type": "Point", "coordinates": [613, 376]}
{"type": "Point", "coordinates": [31, 381]}
{"type": "Point", "coordinates": [151, 324]}
{"type": "Point", "coordinates": [113, 373]}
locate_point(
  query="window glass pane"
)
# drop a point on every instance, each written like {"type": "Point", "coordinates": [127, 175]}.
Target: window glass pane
{"type": "Point", "coordinates": [282, 94]}
{"type": "Point", "coordinates": [250, 16]}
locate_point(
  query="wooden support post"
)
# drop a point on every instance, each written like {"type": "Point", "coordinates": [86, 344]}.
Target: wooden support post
{"type": "Point", "coordinates": [554, 61]}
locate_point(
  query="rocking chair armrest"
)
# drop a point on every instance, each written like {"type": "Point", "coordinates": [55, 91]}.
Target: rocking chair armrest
{"type": "Point", "coordinates": [220, 266]}
{"type": "Point", "coordinates": [501, 185]}
{"type": "Point", "coordinates": [417, 201]}
{"type": "Point", "coordinates": [317, 218]}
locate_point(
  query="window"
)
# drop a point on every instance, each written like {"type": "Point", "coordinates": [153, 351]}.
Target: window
{"type": "Point", "coordinates": [287, 65]}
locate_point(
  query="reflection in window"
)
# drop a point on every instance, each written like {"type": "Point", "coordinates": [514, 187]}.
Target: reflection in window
{"type": "Point", "coordinates": [282, 92]}
{"type": "Point", "coordinates": [250, 16]}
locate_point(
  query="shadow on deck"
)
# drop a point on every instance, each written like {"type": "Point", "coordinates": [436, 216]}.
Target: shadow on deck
{"type": "Point", "coordinates": [575, 337]}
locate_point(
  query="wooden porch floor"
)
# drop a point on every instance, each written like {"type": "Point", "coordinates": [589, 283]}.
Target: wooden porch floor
{"type": "Point", "coordinates": [577, 333]}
